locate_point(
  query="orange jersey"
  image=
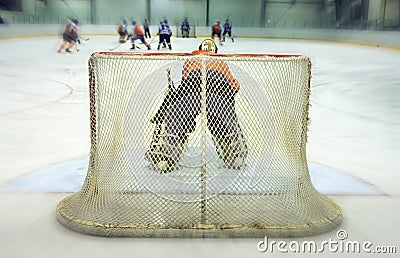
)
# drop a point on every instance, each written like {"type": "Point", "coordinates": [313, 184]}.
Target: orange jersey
{"type": "Point", "coordinates": [216, 28]}
{"type": "Point", "coordinates": [214, 65]}
{"type": "Point", "coordinates": [70, 29]}
{"type": "Point", "coordinates": [138, 30]}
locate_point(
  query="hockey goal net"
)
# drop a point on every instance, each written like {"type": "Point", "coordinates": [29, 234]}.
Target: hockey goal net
{"type": "Point", "coordinates": [187, 145]}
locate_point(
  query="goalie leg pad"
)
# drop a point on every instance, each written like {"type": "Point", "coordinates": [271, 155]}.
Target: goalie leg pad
{"type": "Point", "coordinates": [170, 136]}
{"type": "Point", "coordinates": [226, 132]}
{"type": "Point", "coordinates": [230, 143]}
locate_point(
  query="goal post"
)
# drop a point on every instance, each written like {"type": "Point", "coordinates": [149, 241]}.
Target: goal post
{"type": "Point", "coordinates": [186, 145]}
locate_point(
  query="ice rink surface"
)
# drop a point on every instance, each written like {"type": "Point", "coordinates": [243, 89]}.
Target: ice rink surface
{"type": "Point", "coordinates": [44, 117]}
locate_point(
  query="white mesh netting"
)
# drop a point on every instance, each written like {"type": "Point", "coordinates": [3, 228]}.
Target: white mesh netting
{"type": "Point", "coordinates": [198, 145]}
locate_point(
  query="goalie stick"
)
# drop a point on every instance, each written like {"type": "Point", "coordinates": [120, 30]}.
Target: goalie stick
{"type": "Point", "coordinates": [164, 152]}
{"type": "Point", "coordinates": [167, 99]}
{"type": "Point", "coordinates": [170, 82]}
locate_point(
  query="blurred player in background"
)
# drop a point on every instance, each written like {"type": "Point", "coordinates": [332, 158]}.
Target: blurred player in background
{"type": "Point", "coordinates": [185, 28]}
{"type": "Point", "coordinates": [227, 30]}
{"type": "Point", "coordinates": [123, 32]}
{"type": "Point", "coordinates": [146, 27]}
{"type": "Point", "coordinates": [70, 36]}
{"type": "Point", "coordinates": [138, 34]}
{"type": "Point", "coordinates": [164, 32]}
{"type": "Point", "coordinates": [216, 31]}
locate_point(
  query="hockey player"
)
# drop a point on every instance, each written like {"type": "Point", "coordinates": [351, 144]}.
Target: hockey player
{"type": "Point", "coordinates": [123, 32]}
{"type": "Point", "coordinates": [216, 31]}
{"type": "Point", "coordinates": [164, 32]}
{"type": "Point", "coordinates": [175, 120]}
{"type": "Point", "coordinates": [138, 34]}
{"type": "Point", "coordinates": [185, 28]}
{"type": "Point", "coordinates": [70, 36]}
{"type": "Point", "coordinates": [158, 33]}
{"type": "Point", "coordinates": [227, 30]}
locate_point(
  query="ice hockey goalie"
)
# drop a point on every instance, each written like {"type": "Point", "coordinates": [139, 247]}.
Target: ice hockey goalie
{"type": "Point", "coordinates": [175, 119]}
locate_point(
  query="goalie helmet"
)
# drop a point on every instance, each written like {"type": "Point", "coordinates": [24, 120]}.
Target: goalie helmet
{"type": "Point", "coordinates": [208, 45]}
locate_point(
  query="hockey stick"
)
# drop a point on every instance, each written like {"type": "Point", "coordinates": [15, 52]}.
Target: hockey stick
{"type": "Point", "coordinates": [137, 47]}
{"type": "Point", "coordinates": [170, 82]}
{"type": "Point", "coordinates": [140, 47]}
{"type": "Point", "coordinates": [152, 40]}
{"type": "Point", "coordinates": [168, 99]}
{"type": "Point", "coordinates": [115, 47]}
{"type": "Point", "coordinates": [85, 39]}
{"type": "Point", "coordinates": [78, 42]}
